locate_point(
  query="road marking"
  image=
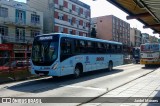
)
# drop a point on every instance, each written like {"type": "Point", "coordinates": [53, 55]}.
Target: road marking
{"type": "Point", "coordinates": [82, 87]}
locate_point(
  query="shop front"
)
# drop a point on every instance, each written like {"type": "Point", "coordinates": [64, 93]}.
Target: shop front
{"type": "Point", "coordinates": [6, 53]}
{"type": "Point", "coordinates": [22, 51]}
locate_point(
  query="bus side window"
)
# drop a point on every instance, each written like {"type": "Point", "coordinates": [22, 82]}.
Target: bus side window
{"type": "Point", "coordinates": [66, 48]}
{"type": "Point", "coordinates": [113, 49]}
{"type": "Point", "coordinates": [100, 47]}
{"type": "Point", "coordinates": [82, 46]}
{"type": "Point", "coordinates": [77, 46]}
{"type": "Point", "coordinates": [89, 47]}
{"type": "Point", "coordinates": [109, 50]}
{"type": "Point", "coordinates": [103, 48]}
{"type": "Point", "coordinates": [119, 48]}
{"type": "Point", "coordinates": [106, 46]}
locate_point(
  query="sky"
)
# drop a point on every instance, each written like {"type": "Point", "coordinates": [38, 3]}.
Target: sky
{"type": "Point", "coordinates": [103, 7]}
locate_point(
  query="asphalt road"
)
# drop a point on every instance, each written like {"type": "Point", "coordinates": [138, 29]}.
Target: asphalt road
{"type": "Point", "coordinates": [90, 85]}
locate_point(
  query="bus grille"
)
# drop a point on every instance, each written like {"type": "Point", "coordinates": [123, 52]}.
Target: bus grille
{"type": "Point", "coordinates": [42, 72]}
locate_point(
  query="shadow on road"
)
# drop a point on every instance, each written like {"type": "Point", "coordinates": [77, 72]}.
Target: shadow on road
{"type": "Point", "coordinates": [49, 83]}
{"type": "Point", "coordinates": [151, 67]}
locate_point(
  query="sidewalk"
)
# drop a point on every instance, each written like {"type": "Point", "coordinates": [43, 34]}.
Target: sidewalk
{"type": "Point", "coordinates": [136, 93]}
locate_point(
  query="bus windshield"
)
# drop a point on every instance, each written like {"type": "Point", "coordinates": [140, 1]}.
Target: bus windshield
{"type": "Point", "coordinates": [45, 52]}
{"type": "Point", "coordinates": [136, 53]}
{"type": "Point", "coordinates": [149, 47]}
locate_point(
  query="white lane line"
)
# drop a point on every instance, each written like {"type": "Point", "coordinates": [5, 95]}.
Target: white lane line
{"type": "Point", "coordinates": [82, 87]}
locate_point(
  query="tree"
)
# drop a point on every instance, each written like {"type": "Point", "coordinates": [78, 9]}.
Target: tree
{"type": "Point", "coordinates": [93, 33]}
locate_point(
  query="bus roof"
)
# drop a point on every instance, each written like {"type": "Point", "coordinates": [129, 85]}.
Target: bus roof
{"type": "Point", "coordinates": [82, 37]}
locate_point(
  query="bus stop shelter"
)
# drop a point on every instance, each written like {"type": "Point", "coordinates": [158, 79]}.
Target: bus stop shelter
{"type": "Point", "coordinates": [145, 11]}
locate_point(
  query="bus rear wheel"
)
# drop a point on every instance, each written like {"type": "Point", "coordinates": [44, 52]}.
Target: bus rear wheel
{"type": "Point", "coordinates": [77, 72]}
{"type": "Point", "coordinates": [110, 66]}
{"type": "Point", "coordinates": [147, 65]}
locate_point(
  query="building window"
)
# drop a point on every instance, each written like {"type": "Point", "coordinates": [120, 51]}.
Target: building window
{"type": "Point", "coordinates": [60, 16]}
{"type": "Point", "coordinates": [113, 20]}
{"type": "Point", "coordinates": [20, 34]}
{"type": "Point", "coordinates": [86, 14]}
{"type": "Point", "coordinates": [114, 30]}
{"type": "Point", "coordinates": [61, 29]}
{"type": "Point", "coordinates": [70, 6]}
{"type": "Point", "coordinates": [61, 2]}
{"type": "Point", "coordinates": [77, 32]}
{"type": "Point", "coordinates": [3, 30]}
{"type": "Point", "coordinates": [35, 18]}
{"type": "Point", "coordinates": [70, 19]}
{"type": "Point", "coordinates": [34, 33]}
{"type": "Point", "coordinates": [77, 9]}
{"type": "Point", "coordinates": [70, 31]}
{"type": "Point", "coordinates": [77, 21]}
{"type": "Point", "coordinates": [3, 12]}
{"type": "Point", "coordinates": [20, 15]}
{"type": "Point", "coordinates": [84, 34]}
{"type": "Point", "coordinates": [84, 24]}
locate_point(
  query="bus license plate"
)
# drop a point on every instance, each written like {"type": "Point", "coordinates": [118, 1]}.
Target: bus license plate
{"type": "Point", "coordinates": [41, 74]}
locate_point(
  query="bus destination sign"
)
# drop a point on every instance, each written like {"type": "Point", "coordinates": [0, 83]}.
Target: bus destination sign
{"type": "Point", "coordinates": [46, 38]}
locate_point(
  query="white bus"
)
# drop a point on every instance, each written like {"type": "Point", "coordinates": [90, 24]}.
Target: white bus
{"type": "Point", "coordinates": [150, 54]}
{"type": "Point", "coordinates": [58, 54]}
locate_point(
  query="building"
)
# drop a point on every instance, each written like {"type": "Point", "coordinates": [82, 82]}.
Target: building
{"type": "Point", "coordinates": [65, 16]}
{"type": "Point", "coordinates": [153, 39]}
{"type": "Point", "coordinates": [19, 23]}
{"type": "Point", "coordinates": [145, 38]}
{"type": "Point", "coordinates": [112, 28]}
{"type": "Point", "coordinates": [135, 37]}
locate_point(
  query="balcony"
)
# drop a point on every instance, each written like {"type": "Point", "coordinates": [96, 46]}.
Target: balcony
{"type": "Point", "coordinates": [7, 20]}
{"type": "Point", "coordinates": [34, 25]}
{"type": "Point", "coordinates": [15, 21]}
{"type": "Point", "coordinates": [15, 39]}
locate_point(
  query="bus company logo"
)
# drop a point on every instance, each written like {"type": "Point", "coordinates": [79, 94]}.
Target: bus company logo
{"type": "Point", "coordinates": [6, 100]}
{"type": "Point", "coordinates": [87, 59]}
{"type": "Point", "coordinates": [100, 59]}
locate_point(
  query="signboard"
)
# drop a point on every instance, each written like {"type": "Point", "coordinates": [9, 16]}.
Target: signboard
{"type": "Point", "coordinates": [19, 47]}
{"type": "Point", "coordinates": [6, 46]}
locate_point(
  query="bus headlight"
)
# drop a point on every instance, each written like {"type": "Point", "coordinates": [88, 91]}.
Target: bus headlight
{"type": "Point", "coordinates": [55, 66]}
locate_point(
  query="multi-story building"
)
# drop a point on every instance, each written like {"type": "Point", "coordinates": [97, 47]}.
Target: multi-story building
{"type": "Point", "coordinates": [66, 16]}
{"type": "Point", "coordinates": [145, 38]}
{"type": "Point", "coordinates": [135, 37]}
{"type": "Point", "coordinates": [19, 23]}
{"type": "Point", "coordinates": [112, 28]}
{"type": "Point", "coordinates": [153, 39]}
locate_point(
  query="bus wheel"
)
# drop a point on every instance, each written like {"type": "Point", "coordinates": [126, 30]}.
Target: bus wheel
{"type": "Point", "coordinates": [110, 66]}
{"type": "Point", "coordinates": [77, 72]}
{"type": "Point", "coordinates": [147, 65]}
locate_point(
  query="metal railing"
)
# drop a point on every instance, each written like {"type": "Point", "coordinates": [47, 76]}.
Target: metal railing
{"type": "Point", "coordinates": [20, 22]}
{"type": "Point", "coordinates": [15, 39]}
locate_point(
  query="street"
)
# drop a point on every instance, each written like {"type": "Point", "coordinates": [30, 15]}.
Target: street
{"type": "Point", "coordinates": [92, 84]}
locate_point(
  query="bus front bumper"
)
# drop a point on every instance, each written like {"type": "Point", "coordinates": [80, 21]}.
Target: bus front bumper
{"type": "Point", "coordinates": [145, 61]}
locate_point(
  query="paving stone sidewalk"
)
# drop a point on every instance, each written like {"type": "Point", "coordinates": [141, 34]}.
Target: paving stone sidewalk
{"type": "Point", "coordinates": [139, 92]}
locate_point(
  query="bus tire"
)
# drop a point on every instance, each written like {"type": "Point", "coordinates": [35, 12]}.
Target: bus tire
{"type": "Point", "coordinates": [110, 66]}
{"type": "Point", "coordinates": [147, 65]}
{"type": "Point", "coordinates": [77, 72]}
